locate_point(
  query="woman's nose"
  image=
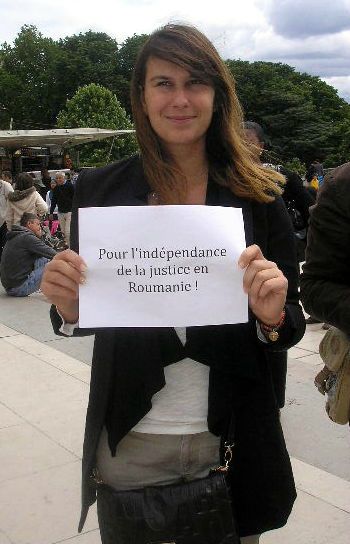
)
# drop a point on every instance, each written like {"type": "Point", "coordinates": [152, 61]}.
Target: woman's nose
{"type": "Point", "coordinates": [180, 97]}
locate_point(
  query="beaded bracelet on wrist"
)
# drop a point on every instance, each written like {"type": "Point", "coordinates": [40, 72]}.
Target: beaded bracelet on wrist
{"type": "Point", "coordinates": [271, 331]}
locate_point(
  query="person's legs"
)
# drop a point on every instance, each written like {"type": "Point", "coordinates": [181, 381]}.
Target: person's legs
{"type": "Point", "coordinates": [32, 283]}
{"type": "Point", "coordinates": [253, 539]}
{"type": "Point", "coordinates": [65, 219]}
{"type": "Point", "coordinates": [62, 221]}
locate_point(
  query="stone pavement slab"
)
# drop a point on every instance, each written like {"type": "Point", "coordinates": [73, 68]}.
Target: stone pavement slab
{"type": "Point", "coordinates": [313, 521]}
{"type": "Point", "coordinates": [47, 397]}
{"type": "Point", "coordinates": [310, 435]}
{"type": "Point", "coordinates": [17, 459]}
{"type": "Point", "coordinates": [30, 316]}
{"type": "Point", "coordinates": [44, 507]}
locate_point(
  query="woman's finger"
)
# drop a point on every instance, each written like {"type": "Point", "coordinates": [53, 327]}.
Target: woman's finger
{"type": "Point", "coordinates": [277, 285]}
{"type": "Point", "coordinates": [71, 257]}
{"type": "Point", "coordinates": [251, 253]}
{"type": "Point", "coordinates": [253, 269]}
{"type": "Point", "coordinates": [260, 278]}
{"type": "Point", "coordinates": [65, 268]}
{"type": "Point", "coordinates": [61, 285]}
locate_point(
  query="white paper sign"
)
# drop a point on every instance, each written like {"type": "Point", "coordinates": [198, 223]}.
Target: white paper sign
{"type": "Point", "coordinates": [161, 266]}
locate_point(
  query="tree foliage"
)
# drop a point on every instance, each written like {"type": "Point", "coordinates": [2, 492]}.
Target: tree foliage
{"type": "Point", "coordinates": [28, 77]}
{"type": "Point", "coordinates": [95, 106]}
{"type": "Point", "coordinates": [302, 115]}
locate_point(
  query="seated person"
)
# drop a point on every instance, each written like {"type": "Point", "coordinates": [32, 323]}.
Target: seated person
{"type": "Point", "coordinates": [24, 257]}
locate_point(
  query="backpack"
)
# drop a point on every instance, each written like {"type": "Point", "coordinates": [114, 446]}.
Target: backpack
{"type": "Point", "coordinates": [334, 378]}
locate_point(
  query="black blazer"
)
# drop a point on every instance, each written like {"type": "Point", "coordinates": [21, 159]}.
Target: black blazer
{"type": "Point", "coordinates": [240, 378]}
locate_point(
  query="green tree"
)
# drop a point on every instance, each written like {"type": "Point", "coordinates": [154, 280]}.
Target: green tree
{"type": "Point", "coordinates": [95, 106]}
{"type": "Point", "coordinates": [128, 52]}
{"type": "Point", "coordinates": [300, 113]}
{"type": "Point", "coordinates": [87, 58]}
{"type": "Point", "coordinates": [28, 80]}
{"type": "Point", "coordinates": [127, 55]}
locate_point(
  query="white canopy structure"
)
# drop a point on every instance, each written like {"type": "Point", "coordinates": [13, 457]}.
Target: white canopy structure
{"type": "Point", "coordinates": [64, 137]}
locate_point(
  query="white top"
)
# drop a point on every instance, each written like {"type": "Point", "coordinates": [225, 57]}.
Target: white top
{"type": "Point", "coordinates": [181, 407]}
{"type": "Point", "coordinates": [32, 203]}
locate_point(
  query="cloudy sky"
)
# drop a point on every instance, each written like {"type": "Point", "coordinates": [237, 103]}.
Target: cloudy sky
{"type": "Point", "coordinates": [311, 35]}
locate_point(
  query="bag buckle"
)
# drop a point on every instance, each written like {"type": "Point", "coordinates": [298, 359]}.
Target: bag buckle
{"type": "Point", "coordinates": [227, 458]}
{"type": "Point", "coordinates": [95, 476]}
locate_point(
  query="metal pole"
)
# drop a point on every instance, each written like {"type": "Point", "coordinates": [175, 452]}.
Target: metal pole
{"type": "Point", "coordinates": [110, 150]}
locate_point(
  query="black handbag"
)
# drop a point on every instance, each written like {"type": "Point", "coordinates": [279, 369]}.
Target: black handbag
{"type": "Point", "coordinates": [189, 512]}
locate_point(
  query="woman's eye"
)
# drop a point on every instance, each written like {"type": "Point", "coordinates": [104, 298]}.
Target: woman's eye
{"type": "Point", "coordinates": [196, 82]}
{"type": "Point", "coordinates": [164, 83]}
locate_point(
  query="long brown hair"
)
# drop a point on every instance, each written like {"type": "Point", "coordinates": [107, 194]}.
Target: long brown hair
{"type": "Point", "coordinates": [230, 160]}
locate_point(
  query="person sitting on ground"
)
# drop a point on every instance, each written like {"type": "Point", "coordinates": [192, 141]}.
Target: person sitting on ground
{"type": "Point", "coordinates": [24, 257]}
{"type": "Point", "coordinates": [62, 196]}
{"type": "Point", "coordinates": [24, 198]}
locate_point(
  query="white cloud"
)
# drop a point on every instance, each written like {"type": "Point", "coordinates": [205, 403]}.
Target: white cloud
{"type": "Point", "coordinates": [245, 29]}
{"type": "Point", "coordinates": [298, 18]}
{"type": "Point", "coordinates": [342, 84]}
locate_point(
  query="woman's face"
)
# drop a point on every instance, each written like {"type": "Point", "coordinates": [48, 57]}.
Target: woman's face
{"type": "Point", "coordinates": [179, 106]}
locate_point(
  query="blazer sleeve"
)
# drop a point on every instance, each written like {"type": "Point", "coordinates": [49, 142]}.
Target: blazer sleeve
{"type": "Point", "coordinates": [325, 282]}
{"type": "Point", "coordinates": [281, 249]}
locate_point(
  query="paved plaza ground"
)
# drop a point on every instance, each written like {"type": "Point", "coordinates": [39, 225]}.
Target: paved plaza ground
{"type": "Point", "coordinates": [43, 395]}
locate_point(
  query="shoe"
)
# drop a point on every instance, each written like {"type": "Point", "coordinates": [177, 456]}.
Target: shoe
{"type": "Point", "coordinates": [312, 320]}
{"type": "Point", "coordinates": [326, 326]}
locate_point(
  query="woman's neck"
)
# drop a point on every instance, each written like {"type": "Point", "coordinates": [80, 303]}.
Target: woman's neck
{"type": "Point", "coordinates": [193, 164]}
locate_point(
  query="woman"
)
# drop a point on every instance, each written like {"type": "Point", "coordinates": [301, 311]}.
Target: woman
{"type": "Point", "coordinates": [25, 198]}
{"type": "Point", "coordinates": [138, 431]}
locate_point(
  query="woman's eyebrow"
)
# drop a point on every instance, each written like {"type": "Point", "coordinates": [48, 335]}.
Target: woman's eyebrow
{"type": "Point", "coordinates": [160, 77]}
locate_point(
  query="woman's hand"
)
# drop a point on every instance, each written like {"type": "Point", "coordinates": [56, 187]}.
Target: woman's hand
{"type": "Point", "coordinates": [265, 285]}
{"type": "Point", "coordinates": [60, 283]}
